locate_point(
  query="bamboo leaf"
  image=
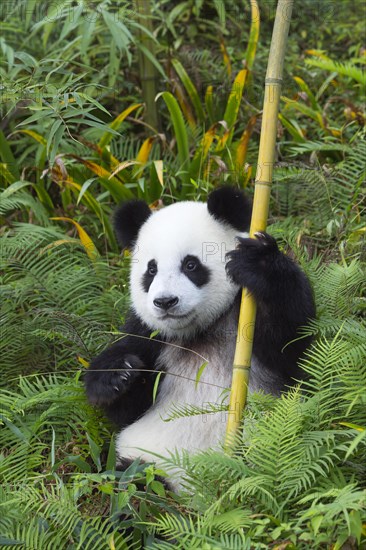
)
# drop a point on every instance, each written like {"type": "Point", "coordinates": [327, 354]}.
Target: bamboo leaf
{"type": "Point", "coordinates": [95, 206]}
{"type": "Point", "coordinates": [241, 151]}
{"type": "Point", "coordinates": [305, 110]}
{"type": "Point", "coordinates": [145, 149]}
{"type": "Point", "coordinates": [181, 136]}
{"type": "Point", "coordinates": [35, 136]}
{"type": "Point", "coordinates": [293, 128]}
{"type": "Point", "coordinates": [184, 105]}
{"type": "Point", "coordinates": [253, 35]}
{"type": "Point", "coordinates": [156, 186]}
{"type": "Point", "coordinates": [86, 241]}
{"type": "Point", "coordinates": [233, 104]}
{"type": "Point", "coordinates": [209, 103]}
{"type": "Point", "coordinates": [122, 166]}
{"type": "Point", "coordinates": [225, 56]}
{"type": "Point", "coordinates": [84, 188]}
{"type": "Point", "coordinates": [305, 88]}
{"type": "Point", "coordinates": [119, 31]}
{"type": "Point", "coordinates": [117, 189]}
{"type": "Point", "coordinates": [153, 60]}
{"type": "Point", "coordinates": [158, 164]}
{"type": "Point", "coordinates": [116, 123]}
{"type": "Point", "coordinates": [202, 151]}
{"type": "Point", "coordinates": [190, 88]}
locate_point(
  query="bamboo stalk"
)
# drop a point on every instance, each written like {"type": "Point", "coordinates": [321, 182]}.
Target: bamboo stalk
{"type": "Point", "coordinates": [263, 181]}
{"type": "Point", "coordinates": [147, 71]}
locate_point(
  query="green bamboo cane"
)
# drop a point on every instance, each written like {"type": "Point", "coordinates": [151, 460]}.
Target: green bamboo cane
{"type": "Point", "coordinates": [148, 73]}
{"type": "Point", "coordinates": [263, 181]}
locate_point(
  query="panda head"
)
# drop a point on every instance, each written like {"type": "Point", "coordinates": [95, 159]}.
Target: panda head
{"type": "Point", "coordinates": [178, 280]}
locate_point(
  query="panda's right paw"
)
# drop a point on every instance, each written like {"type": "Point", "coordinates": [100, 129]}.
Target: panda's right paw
{"type": "Point", "coordinates": [110, 377]}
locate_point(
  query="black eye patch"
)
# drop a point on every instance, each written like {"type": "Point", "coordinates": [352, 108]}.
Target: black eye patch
{"type": "Point", "coordinates": [196, 272]}
{"type": "Point", "coordinates": [148, 277]}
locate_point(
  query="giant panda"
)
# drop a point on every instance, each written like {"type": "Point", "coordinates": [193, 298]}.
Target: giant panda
{"type": "Point", "coordinates": [189, 262]}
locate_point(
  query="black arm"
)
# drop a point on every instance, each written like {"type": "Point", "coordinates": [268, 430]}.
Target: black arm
{"type": "Point", "coordinates": [284, 302]}
{"type": "Point", "coordinates": [121, 378]}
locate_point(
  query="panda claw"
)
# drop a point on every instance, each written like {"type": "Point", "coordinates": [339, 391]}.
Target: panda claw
{"type": "Point", "coordinates": [128, 364]}
{"type": "Point", "coordinates": [266, 240]}
{"type": "Point", "coordinates": [260, 235]}
{"type": "Point", "coordinates": [116, 388]}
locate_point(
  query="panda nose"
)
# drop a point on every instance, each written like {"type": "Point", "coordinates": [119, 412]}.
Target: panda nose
{"type": "Point", "coordinates": [166, 303]}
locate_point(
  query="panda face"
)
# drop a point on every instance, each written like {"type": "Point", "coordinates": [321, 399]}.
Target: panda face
{"type": "Point", "coordinates": [178, 279]}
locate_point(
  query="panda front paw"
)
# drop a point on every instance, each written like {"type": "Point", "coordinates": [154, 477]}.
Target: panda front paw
{"type": "Point", "coordinates": [109, 377]}
{"type": "Point", "coordinates": [253, 260]}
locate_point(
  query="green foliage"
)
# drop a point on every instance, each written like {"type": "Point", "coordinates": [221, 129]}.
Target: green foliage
{"type": "Point", "coordinates": [326, 202]}
{"type": "Point", "coordinates": [55, 301]}
{"type": "Point", "coordinates": [297, 475]}
{"type": "Point", "coordinates": [74, 141]}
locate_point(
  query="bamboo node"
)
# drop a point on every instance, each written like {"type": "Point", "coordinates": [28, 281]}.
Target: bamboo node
{"type": "Point", "coordinates": [263, 182]}
{"type": "Point", "coordinates": [241, 367]}
{"type": "Point", "coordinates": [271, 80]}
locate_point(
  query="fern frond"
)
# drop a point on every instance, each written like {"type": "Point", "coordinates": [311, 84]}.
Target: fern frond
{"type": "Point", "coordinates": [182, 411]}
{"type": "Point", "coordinates": [345, 68]}
{"type": "Point", "coordinates": [56, 304]}
{"type": "Point", "coordinates": [15, 197]}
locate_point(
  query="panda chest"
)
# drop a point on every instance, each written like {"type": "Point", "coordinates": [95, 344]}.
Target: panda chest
{"type": "Point", "coordinates": [194, 377]}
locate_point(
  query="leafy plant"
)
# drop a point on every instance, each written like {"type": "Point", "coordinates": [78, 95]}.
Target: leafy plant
{"type": "Point", "coordinates": [73, 143]}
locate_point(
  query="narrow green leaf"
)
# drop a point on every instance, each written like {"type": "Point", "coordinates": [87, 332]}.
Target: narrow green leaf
{"type": "Point", "coordinates": [180, 135]}
{"type": "Point", "coordinates": [199, 373]}
{"type": "Point", "coordinates": [190, 88]}
{"type": "Point", "coordinates": [53, 449]}
{"type": "Point", "coordinates": [94, 452]}
{"type": "Point", "coordinates": [79, 462]}
{"type": "Point", "coordinates": [153, 60]}
{"type": "Point", "coordinates": [111, 457]}
{"type": "Point", "coordinates": [156, 385]}
{"type": "Point", "coordinates": [233, 104]}
{"type": "Point", "coordinates": [84, 188]}
{"type": "Point", "coordinates": [253, 34]}
{"type": "Point", "coordinates": [158, 488]}
{"type": "Point", "coordinates": [7, 156]}
{"type": "Point", "coordinates": [13, 188]}
{"type": "Point", "coordinates": [116, 123]}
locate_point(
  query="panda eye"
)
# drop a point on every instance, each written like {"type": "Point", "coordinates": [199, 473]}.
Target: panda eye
{"type": "Point", "coordinates": [152, 268]}
{"type": "Point", "coordinates": [190, 265]}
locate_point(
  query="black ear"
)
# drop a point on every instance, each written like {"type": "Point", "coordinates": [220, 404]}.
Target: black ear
{"type": "Point", "coordinates": [230, 205]}
{"type": "Point", "coordinates": [128, 219]}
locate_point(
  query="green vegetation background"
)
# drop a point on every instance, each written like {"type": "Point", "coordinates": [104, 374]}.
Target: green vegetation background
{"type": "Point", "coordinates": [82, 128]}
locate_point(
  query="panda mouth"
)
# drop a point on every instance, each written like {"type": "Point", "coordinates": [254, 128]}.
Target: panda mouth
{"type": "Point", "coordinates": [171, 316]}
